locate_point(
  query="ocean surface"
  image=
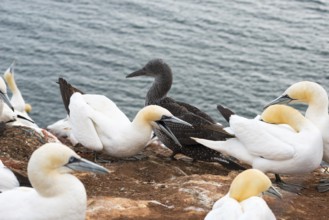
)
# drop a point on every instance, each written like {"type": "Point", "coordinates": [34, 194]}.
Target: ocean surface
{"type": "Point", "coordinates": [241, 54]}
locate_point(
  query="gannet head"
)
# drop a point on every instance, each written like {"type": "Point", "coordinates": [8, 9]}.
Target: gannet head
{"type": "Point", "coordinates": [251, 182]}
{"type": "Point", "coordinates": [301, 92]}
{"type": "Point", "coordinates": [157, 116]}
{"type": "Point", "coordinates": [9, 76]}
{"type": "Point", "coordinates": [153, 68]}
{"type": "Point", "coordinates": [55, 159]}
{"type": "Point", "coordinates": [282, 114]}
{"type": "Point", "coordinates": [27, 108]}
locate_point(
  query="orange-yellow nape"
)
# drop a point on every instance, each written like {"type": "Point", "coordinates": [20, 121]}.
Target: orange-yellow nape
{"type": "Point", "coordinates": [304, 91]}
{"type": "Point", "coordinates": [282, 114]}
{"type": "Point", "coordinates": [249, 183]}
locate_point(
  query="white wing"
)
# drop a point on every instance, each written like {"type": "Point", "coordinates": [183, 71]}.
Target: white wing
{"type": "Point", "coordinates": [256, 208]}
{"type": "Point", "coordinates": [269, 141]}
{"type": "Point", "coordinates": [7, 178]}
{"type": "Point", "coordinates": [225, 208]}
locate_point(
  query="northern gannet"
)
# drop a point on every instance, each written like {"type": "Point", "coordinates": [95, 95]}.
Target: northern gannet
{"type": "Point", "coordinates": [17, 99]}
{"type": "Point", "coordinates": [203, 125]}
{"type": "Point", "coordinates": [98, 124]}
{"type": "Point", "coordinates": [62, 128]}
{"type": "Point", "coordinates": [21, 108]}
{"type": "Point", "coordinates": [243, 201]}
{"type": "Point", "coordinates": [8, 179]}
{"type": "Point", "coordinates": [284, 142]}
{"type": "Point", "coordinates": [316, 97]}
{"type": "Point", "coordinates": [56, 194]}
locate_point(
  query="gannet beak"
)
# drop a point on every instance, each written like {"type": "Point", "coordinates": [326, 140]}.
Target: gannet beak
{"type": "Point", "coordinates": [284, 99]}
{"type": "Point", "coordinates": [80, 164]}
{"type": "Point", "coordinates": [6, 100]}
{"type": "Point", "coordinates": [174, 119]}
{"type": "Point", "coordinates": [140, 72]}
{"type": "Point", "coordinates": [11, 68]}
{"type": "Point", "coordinates": [273, 192]}
{"type": "Point", "coordinates": [162, 125]}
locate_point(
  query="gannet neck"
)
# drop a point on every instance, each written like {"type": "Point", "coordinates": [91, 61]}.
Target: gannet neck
{"type": "Point", "coordinates": [312, 94]}
{"type": "Point", "coordinates": [149, 114]}
{"type": "Point", "coordinates": [282, 114]}
{"type": "Point", "coordinates": [9, 77]}
{"type": "Point", "coordinates": [249, 183]}
{"type": "Point", "coordinates": [160, 87]}
{"type": "Point", "coordinates": [47, 172]}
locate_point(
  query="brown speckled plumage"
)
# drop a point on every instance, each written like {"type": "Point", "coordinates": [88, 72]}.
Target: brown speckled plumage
{"type": "Point", "coordinates": [203, 125]}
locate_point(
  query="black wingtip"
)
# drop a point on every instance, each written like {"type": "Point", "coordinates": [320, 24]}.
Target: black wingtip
{"type": "Point", "coordinates": [226, 113]}
{"type": "Point", "coordinates": [67, 91]}
{"type": "Point", "coordinates": [23, 180]}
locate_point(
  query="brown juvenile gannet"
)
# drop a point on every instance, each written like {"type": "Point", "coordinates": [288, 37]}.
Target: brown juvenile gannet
{"type": "Point", "coordinates": [203, 125]}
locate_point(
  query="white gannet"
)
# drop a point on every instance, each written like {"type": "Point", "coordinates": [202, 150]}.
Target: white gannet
{"type": "Point", "coordinates": [98, 124]}
{"type": "Point", "coordinates": [271, 145]}
{"type": "Point", "coordinates": [16, 100]}
{"type": "Point", "coordinates": [62, 128]}
{"type": "Point", "coordinates": [21, 108]}
{"type": "Point", "coordinates": [316, 97]}
{"type": "Point", "coordinates": [243, 201]}
{"type": "Point", "coordinates": [203, 125]}
{"type": "Point", "coordinates": [8, 179]}
{"type": "Point", "coordinates": [56, 194]}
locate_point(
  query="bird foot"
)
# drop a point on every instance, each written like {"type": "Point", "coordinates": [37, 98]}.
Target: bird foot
{"type": "Point", "coordinates": [294, 188]}
{"type": "Point", "coordinates": [102, 160]}
{"type": "Point", "coordinates": [137, 157]}
{"type": "Point", "coordinates": [98, 159]}
{"type": "Point", "coordinates": [323, 185]}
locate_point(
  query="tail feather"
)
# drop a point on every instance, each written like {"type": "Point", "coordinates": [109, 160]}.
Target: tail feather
{"type": "Point", "coordinates": [215, 145]}
{"type": "Point", "coordinates": [226, 113]}
{"type": "Point", "coordinates": [67, 91]}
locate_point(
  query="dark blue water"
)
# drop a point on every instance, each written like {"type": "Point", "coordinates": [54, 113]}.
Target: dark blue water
{"type": "Point", "coordinates": [238, 53]}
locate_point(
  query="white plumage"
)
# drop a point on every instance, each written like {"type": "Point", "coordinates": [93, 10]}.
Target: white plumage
{"type": "Point", "coordinates": [316, 97]}
{"type": "Point", "coordinates": [8, 179]}
{"type": "Point", "coordinates": [98, 124]}
{"type": "Point", "coordinates": [56, 194]}
{"type": "Point", "coordinates": [272, 147]}
{"type": "Point", "coordinates": [243, 201]}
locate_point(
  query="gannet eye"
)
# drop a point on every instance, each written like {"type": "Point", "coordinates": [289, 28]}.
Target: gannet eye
{"type": "Point", "coordinates": [73, 159]}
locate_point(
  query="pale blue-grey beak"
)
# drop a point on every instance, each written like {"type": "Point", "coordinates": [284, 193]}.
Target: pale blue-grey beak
{"type": "Point", "coordinates": [80, 164]}
{"type": "Point", "coordinates": [273, 192]}
{"type": "Point", "coordinates": [5, 99]}
{"type": "Point", "coordinates": [284, 99]}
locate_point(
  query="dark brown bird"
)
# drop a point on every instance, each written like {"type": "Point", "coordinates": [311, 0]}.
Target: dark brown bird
{"type": "Point", "coordinates": [203, 125]}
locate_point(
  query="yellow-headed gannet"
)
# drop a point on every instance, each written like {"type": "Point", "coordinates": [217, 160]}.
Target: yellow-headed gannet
{"type": "Point", "coordinates": [316, 97]}
{"type": "Point", "coordinates": [56, 194]}
{"type": "Point", "coordinates": [98, 124]}
{"type": "Point", "coordinates": [203, 125]}
{"type": "Point", "coordinates": [21, 109]}
{"type": "Point", "coordinates": [268, 145]}
{"type": "Point", "coordinates": [243, 201]}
